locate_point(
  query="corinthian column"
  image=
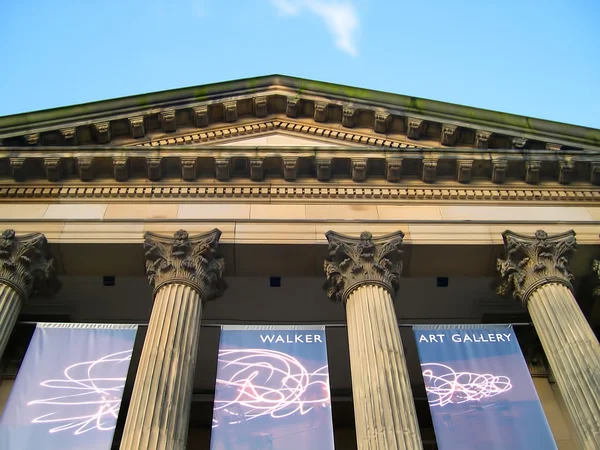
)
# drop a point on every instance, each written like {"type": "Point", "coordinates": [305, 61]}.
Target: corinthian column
{"type": "Point", "coordinates": [26, 269]}
{"type": "Point", "coordinates": [536, 271]}
{"type": "Point", "coordinates": [363, 274]}
{"type": "Point", "coordinates": [185, 272]}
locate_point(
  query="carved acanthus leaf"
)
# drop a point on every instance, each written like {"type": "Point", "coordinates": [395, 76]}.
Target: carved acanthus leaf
{"type": "Point", "coordinates": [353, 262]}
{"type": "Point", "coordinates": [534, 261]}
{"type": "Point", "coordinates": [26, 265]}
{"type": "Point", "coordinates": [193, 261]}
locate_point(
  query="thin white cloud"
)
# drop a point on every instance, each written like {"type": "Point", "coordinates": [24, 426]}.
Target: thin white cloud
{"type": "Point", "coordinates": [340, 18]}
{"type": "Point", "coordinates": [286, 7]}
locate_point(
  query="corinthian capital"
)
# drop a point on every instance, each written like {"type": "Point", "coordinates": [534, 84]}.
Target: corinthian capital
{"type": "Point", "coordinates": [25, 264]}
{"type": "Point", "coordinates": [534, 261]}
{"type": "Point", "coordinates": [353, 262]}
{"type": "Point", "coordinates": [184, 259]}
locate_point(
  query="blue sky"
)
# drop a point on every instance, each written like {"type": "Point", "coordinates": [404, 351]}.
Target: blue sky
{"type": "Point", "coordinates": [530, 57]}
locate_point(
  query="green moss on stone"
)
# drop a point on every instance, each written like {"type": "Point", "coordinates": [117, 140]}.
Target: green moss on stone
{"type": "Point", "coordinates": [200, 93]}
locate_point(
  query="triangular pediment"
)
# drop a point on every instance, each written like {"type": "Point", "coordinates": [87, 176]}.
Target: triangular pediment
{"type": "Point", "coordinates": [327, 112]}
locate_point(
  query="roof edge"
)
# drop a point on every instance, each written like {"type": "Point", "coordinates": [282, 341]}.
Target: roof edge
{"type": "Point", "coordinates": [411, 104]}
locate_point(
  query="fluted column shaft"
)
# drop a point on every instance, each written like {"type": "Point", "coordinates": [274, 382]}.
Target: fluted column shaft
{"type": "Point", "coordinates": [383, 404]}
{"type": "Point", "coordinates": [159, 411]}
{"type": "Point", "coordinates": [362, 273]}
{"type": "Point", "coordinates": [10, 306]}
{"type": "Point", "coordinates": [185, 272]}
{"type": "Point", "coordinates": [574, 356]}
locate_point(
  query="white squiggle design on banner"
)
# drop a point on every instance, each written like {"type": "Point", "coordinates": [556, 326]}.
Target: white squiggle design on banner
{"type": "Point", "coordinates": [444, 385]}
{"type": "Point", "coordinates": [88, 401]}
{"type": "Point", "coordinates": [260, 382]}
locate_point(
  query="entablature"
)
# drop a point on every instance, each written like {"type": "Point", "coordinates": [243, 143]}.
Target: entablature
{"type": "Point", "coordinates": [200, 163]}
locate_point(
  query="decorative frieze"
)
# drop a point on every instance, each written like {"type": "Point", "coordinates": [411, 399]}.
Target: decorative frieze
{"type": "Point", "coordinates": [222, 169]}
{"type": "Point", "coordinates": [26, 264]}
{"type": "Point", "coordinates": [482, 138]}
{"type": "Point", "coordinates": [289, 166]}
{"type": "Point", "coordinates": [260, 106]}
{"type": "Point", "coordinates": [349, 117]}
{"type": "Point", "coordinates": [359, 169]}
{"type": "Point", "coordinates": [200, 116]}
{"type": "Point", "coordinates": [414, 127]}
{"type": "Point", "coordinates": [136, 127]}
{"type": "Point", "coordinates": [168, 120]}
{"type": "Point", "coordinates": [101, 131]}
{"type": "Point", "coordinates": [532, 172]}
{"type": "Point", "coordinates": [230, 111]}
{"type": "Point", "coordinates": [300, 192]}
{"type": "Point", "coordinates": [85, 167]}
{"type": "Point", "coordinates": [393, 169]}
{"type": "Point", "coordinates": [353, 262]}
{"type": "Point", "coordinates": [188, 168]}
{"type": "Point", "coordinates": [320, 114]}
{"type": "Point", "coordinates": [256, 169]}
{"type": "Point", "coordinates": [429, 173]}
{"type": "Point", "coordinates": [121, 168]}
{"type": "Point", "coordinates": [449, 135]}
{"type": "Point", "coordinates": [190, 260]}
{"type": "Point", "coordinates": [53, 168]}
{"type": "Point", "coordinates": [463, 170]}
{"type": "Point", "coordinates": [532, 261]}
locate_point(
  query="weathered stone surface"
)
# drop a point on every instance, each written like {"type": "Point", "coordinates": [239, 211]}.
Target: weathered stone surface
{"type": "Point", "coordinates": [193, 261]}
{"type": "Point", "coordinates": [449, 134]}
{"type": "Point", "coordinates": [414, 127]}
{"type": "Point", "coordinates": [353, 262]}
{"type": "Point", "coordinates": [384, 408]}
{"type": "Point", "coordinates": [482, 138]}
{"type": "Point", "coordinates": [359, 169]}
{"type": "Point", "coordinates": [532, 261]}
{"type": "Point", "coordinates": [136, 127]}
{"type": "Point", "coordinates": [53, 169]}
{"type": "Point", "coordinates": [26, 265]}
{"type": "Point", "coordinates": [463, 170]}
{"type": "Point", "coordinates": [429, 174]}
{"type": "Point", "coordinates": [536, 271]}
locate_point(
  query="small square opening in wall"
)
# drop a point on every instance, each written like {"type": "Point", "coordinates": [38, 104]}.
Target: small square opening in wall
{"type": "Point", "coordinates": [108, 280]}
{"type": "Point", "coordinates": [275, 281]}
{"type": "Point", "coordinates": [442, 281]}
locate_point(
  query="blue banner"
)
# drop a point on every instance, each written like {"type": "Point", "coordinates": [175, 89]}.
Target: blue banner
{"type": "Point", "coordinates": [272, 389]}
{"type": "Point", "coordinates": [68, 390]}
{"type": "Point", "coordinates": [479, 389]}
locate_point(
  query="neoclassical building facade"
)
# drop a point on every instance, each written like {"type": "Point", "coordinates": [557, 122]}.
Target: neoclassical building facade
{"type": "Point", "coordinates": [277, 200]}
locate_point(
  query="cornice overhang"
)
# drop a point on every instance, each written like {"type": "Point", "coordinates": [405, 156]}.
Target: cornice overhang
{"type": "Point", "coordinates": [360, 163]}
{"type": "Point", "coordinates": [128, 119]}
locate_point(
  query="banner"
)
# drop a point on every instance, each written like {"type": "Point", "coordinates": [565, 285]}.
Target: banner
{"type": "Point", "coordinates": [479, 389]}
{"type": "Point", "coordinates": [272, 389]}
{"type": "Point", "coordinates": [68, 390]}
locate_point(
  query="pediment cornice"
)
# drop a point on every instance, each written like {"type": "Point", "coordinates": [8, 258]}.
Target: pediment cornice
{"type": "Point", "coordinates": [420, 122]}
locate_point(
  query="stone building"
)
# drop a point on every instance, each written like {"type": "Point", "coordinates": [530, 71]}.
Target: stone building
{"type": "Point", "coordinates": [270, 176]}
